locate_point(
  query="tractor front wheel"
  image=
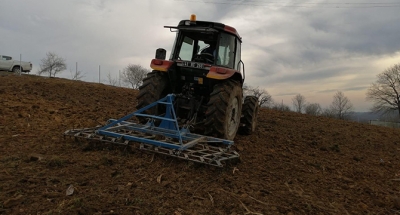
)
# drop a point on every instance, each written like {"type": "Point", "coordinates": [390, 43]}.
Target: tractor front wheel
{"type": "Point", "coordinates": [249, 113]}
{"type": "Point", "coordinates": [155, 87]}
{"type": "Point", "coordinates": [224, 110]}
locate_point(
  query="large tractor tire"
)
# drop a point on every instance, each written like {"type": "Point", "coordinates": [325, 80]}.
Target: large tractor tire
{"type": "Point", "coordinates": [249, 115]}
{"type": "Point", "coordinates": [155, 87]}
{"type": "Point", "coordinates": [224, 110]}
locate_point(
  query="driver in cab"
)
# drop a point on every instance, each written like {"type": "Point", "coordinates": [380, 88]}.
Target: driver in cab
{"type": "Point", "coordinates": [210, 50]}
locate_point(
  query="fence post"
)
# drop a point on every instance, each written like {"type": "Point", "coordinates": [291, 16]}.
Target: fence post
{"type": "Point", "coordinates": [20, 60]}
{"type": "Point", "coordinates": [99, 74]}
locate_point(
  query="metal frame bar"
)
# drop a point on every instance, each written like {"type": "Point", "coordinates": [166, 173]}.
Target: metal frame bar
{"type": "Point", "coordinates": [168, 128]}
{"type": "Point", "coordinates": [166, 138]}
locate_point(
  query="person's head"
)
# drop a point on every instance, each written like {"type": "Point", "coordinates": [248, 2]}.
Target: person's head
{"type": "Point", "coordinates": [211, 43]}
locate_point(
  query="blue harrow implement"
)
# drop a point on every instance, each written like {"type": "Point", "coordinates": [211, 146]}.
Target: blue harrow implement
{"type": "Point", "coordinates": [161, 134]}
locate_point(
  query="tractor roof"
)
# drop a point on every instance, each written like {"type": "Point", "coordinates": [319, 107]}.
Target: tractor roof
{"type": "Point", "coordinates": [205, 26]}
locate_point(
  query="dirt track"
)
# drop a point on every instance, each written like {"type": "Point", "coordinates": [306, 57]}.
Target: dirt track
{"type": "Point", "coordinates": [294, 164]}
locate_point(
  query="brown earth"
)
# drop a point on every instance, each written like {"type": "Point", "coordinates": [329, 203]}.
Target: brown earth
{"type": "Point", "coordinates": [293, 164]}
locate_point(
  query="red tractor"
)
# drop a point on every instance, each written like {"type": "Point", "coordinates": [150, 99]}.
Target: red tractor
{"type": "Point", "coordinates": [206, 73]}
{"type": "Point", "coordinates": [198, 89]}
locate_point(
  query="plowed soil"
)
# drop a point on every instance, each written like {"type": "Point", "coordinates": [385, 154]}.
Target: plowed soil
{"type": "Point", "coordinates": [293, 164]}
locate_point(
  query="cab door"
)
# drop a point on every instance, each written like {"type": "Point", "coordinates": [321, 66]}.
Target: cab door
{"type": "Point", "coordinates": [6, 63]}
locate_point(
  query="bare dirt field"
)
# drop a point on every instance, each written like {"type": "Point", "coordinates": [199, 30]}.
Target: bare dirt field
{"type": "Point", "coordinates": [293, 164]}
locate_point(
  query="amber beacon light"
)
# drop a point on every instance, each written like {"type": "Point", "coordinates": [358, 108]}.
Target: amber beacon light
{"type": "Point", "coordinates": [192, 19]}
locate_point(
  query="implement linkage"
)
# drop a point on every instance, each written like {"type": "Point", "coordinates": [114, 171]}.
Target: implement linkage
{"type": "Point", "coordinates": [166, 138]}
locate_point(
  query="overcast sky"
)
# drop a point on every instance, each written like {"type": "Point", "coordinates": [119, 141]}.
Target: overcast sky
{"type": "Point", "coordinates": [314, 48]}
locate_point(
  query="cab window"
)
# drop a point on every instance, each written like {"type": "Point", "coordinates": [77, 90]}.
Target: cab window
{"type": "Point", "coordinates": [192, 47]}
{"type": "Point", "coordinates": [226, 50]}
{"type": "Point", "coordinates": [237, 55]}
{"type": "Point", "coordinates": [186, 52]}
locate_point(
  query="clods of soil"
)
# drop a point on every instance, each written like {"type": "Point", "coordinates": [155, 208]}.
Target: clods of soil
{"type": "Point", "coordinates": [292, 164]}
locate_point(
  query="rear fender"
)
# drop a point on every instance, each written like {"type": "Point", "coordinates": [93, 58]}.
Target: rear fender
{"type": "Point", "coordinates": [161, 65]}
{"type": "Point", "coordinates": [221, 73]}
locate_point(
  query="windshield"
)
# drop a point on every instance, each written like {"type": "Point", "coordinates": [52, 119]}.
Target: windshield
{"type": "Point", "coordinates": [207, 47]}
{"type": "Point", "coordinates": [196, 46]}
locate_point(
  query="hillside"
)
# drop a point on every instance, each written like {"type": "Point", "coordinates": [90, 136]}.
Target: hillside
{"type": "Point", "coordinates": [293, 164]}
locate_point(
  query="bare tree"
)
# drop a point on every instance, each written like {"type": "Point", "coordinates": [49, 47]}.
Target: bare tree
{"type": "Point", "coordinates": [299, 102]}
{"type": "Point", "coordinates": [133, 75]}
{"type": "Point", "coordinates": [112, 81]}
{"type": "Point", "coordinates": [329, 112]}
{"type": "Point", "coordinates": [385, 92]}
{"type": "Point", "coordinates": [341, 106]}
{"type": "Point", "coordinates": [313, 109]}
{"type": "Point", "coordinates": [264, 98]}
{"type": "Point", "coordinates": [77, 75]}
{"type": "Point", "coordinates": [246, 89]}
{"type": "Point", "coordinates": [52, 64]}
{"type": "Point", "coordinates": [280, 107]}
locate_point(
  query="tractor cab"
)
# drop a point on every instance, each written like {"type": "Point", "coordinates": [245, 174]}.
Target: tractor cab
{"type": "Point", "coordinates": [202, 50]}
{"type": "Point", "coordinates": [207, 42]}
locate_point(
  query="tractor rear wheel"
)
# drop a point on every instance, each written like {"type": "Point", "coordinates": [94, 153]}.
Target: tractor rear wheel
{"type": "Point", "coordinates": [249, 113]}
{"type": "Point", "coordinates": [155, 87]}
{"type": "Point", "coordinates": [224, 110]}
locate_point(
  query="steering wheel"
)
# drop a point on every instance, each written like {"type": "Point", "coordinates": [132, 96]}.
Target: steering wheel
{"type": "Point", "coordinates": [209, 58]}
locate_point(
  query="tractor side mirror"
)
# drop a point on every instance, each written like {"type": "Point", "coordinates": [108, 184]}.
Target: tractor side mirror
{"type": "Point", "coordinates": [161, 54]}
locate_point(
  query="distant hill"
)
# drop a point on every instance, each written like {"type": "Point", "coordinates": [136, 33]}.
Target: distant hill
{"type": "Point", "coordinates": [365, 117]}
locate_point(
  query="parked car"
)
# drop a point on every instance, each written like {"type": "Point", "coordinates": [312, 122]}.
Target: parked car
{"type": "Point", "coordinates": [8, 64]}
